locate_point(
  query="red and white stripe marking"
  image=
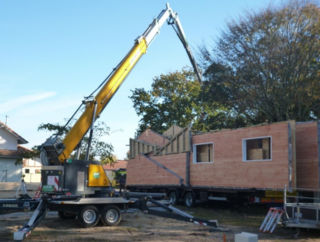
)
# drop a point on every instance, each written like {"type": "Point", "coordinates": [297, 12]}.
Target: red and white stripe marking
{"type": "Point", "coordinates": [54, 181]}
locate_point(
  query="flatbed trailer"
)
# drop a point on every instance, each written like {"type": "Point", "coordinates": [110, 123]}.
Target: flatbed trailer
{"type": "Point", "coordinates": [190, 195]}
{"type": "Point", "coordinates": [244, 165]}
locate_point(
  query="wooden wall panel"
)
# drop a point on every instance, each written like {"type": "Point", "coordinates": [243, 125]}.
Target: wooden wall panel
{"type": "Point", "coordinates": [177, 144]}
{"type": "Point", "coordinates": [172, 131]}
{"type": "Point", "coordinates": [307, 155]}
{"type": "Point", "coordinates": [151, 137]}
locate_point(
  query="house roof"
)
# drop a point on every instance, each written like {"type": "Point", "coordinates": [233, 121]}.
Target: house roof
{"type": "Point", "coordinates": [19, 138]}
{"type": "Point", "coordinates": [120, 164]}
{"type": "Point", "coordinates": [13, 153]}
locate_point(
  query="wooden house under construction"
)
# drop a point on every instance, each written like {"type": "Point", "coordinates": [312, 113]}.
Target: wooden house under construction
{"type": "Point", "coordinates": [246, 163]}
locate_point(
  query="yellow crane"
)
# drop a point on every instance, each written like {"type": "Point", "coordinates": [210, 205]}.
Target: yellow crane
{"type": "Point", "coordinates": [80, 188]}
{"type": "Point", "coordinates": [61, 151]}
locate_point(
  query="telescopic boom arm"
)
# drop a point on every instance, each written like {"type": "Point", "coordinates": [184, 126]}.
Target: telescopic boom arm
{"type": "Point", "coordinates": [55, 152]}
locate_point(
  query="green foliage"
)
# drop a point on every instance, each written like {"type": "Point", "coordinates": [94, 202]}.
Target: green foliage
{"type": "Point", "coordinates": [178, 98]}
{"type": "Point", "coordinates": [58, 129]}
{"type": "Point", "coordinates": [173, 99]}
{"type": "Point", "coordinates": [99, 150]}
{"type": "Point", "coordinates": [109, 159]}
{"type": "Point", "coordinates": [217, 110]}
{"type": "Point", "coordinates": [265, 67]}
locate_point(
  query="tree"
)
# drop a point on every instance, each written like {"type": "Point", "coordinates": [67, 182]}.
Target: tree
{"type": "Point", "coordinates": [216, 101]}
{"type": "Point", "coordinates": [178, 98]}
{"type": "Point", "coordinates": [173, 99]}
{"type": "Point", "coordinates": [266, 66]}
{"type": "Point", "coordinates": [99, 150]}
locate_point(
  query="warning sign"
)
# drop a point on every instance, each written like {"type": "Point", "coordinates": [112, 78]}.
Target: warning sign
{"type": "Point", "coordinates": [53, 181]}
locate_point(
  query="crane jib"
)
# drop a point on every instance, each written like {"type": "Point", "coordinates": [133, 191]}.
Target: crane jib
{"type": "Point", "coordinates": [102, 98]}
{"type": "Point", "coordinates": [56, 151]}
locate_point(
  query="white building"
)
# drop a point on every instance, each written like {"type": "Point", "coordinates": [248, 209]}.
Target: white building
{"type": "Point", "coordinates": [31, 170]}
{"type": "Point", "coordinates": [10, 153]}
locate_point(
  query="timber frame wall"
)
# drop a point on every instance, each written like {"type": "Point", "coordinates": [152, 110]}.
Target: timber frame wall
{"type": "Point", "coordinates": [291, 158]}
{"type": "Point", "coordinates": [150, 141]}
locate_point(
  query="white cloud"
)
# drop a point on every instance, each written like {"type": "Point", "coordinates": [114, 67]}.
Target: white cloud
{"type": "Point", "coordinates": [29, 111]}
{"type": "Point", "coordinates": [26, 120]}
{"type": "Point", "coordinates": [59, 108]}
{"type": "Point", "coordinates": [23, 100]}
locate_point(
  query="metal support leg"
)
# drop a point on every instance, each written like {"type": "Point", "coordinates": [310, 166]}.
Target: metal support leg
{"type": "Point", "coordinates": [173, 212]}
{"type": "Point", "coordinates": [35, 219]}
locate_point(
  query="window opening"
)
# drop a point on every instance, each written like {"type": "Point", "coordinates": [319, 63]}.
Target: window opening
{"type": "Point", "coordinates": [203, 153]}
{"type": "Point", "coordinates": [257, 149]}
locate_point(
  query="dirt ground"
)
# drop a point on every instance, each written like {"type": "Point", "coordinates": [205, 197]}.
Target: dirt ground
{"type": "Point", "coordinates": [137, 226]}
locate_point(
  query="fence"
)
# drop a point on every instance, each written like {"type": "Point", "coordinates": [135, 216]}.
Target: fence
{"type": "Point", "coordinates": [3, 175]}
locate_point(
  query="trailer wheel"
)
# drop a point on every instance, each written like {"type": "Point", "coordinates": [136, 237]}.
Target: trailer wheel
{"type": "Point", "coordinates": [173, 198]}
{"type": "Point", "coordinates": [66, 215]}
{"type": "Point", "coordinates": [88, 216]}
{"type": "Point", "coordinates": [189, 199]}
{"type": "Point", "coordinates": [111, 216]}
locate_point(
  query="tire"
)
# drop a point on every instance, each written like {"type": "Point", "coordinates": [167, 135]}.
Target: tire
{"type": "Point", "coordinates": [189, 199]}
{"type": "Point", "coordinates": [111, 216]}
{"type": "Point", "coordinates": [88, 216]}
{"type": "Point", "coordinates": [173, 198]}
{"type": "Point", "coordinates": [66, 215]}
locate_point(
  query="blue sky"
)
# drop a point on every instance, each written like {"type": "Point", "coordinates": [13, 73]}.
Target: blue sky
{"type": "Point", "coordinates": [53, 53]}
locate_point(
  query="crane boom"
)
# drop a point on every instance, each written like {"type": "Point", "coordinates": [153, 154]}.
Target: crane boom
{"type": "Point", "coordinates": [55, 152]}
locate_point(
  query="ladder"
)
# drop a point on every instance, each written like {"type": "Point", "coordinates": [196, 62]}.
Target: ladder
{"type": "Point", "coordinates": [271, 220]}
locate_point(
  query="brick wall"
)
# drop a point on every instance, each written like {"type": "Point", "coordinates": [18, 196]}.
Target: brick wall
{"type": "Point", "coordinates": [307, 155]}
{"type": "Point", "coordinates": [228, 169]}
{"type": "Point", "coordinates": [141, 171]}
